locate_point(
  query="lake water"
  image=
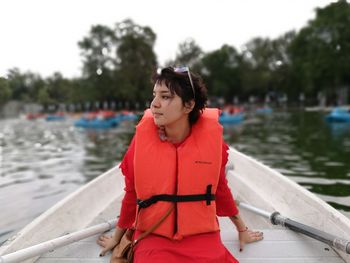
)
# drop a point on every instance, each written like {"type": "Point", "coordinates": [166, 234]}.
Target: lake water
{"type": "Point", "coordinates": [42, 162]}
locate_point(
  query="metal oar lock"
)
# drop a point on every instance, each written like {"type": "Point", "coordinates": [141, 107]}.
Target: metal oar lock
{"type": "Point", "coordinates": [277, 219]}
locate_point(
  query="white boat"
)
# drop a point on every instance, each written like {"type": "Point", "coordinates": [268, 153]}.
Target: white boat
{"type": "Point", "coordinates": [251, 182]}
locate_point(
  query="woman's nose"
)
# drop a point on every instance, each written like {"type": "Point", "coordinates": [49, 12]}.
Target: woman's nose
{"type": "Point", "coordinates": [155, 103]}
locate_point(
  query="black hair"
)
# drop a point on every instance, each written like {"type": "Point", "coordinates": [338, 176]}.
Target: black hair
{"type": "Point", "coordinates": [180, 84]}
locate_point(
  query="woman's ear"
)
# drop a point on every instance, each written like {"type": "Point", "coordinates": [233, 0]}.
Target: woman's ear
{"type": "Point", "coordinates": [189, 106]}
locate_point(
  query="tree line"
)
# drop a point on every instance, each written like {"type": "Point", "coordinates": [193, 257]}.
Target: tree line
{"type": "Point", "coordinates": [118, 63]}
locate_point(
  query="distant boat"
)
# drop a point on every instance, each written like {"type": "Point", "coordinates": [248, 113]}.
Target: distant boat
{"type": "Point", "coordinates": [97, 123]}
{"type": "Point", "coordinates": [104, 119]}
{"type": "Point", "coordinates": [98, 120]}
{"type": "Point", "coordinates": [339, 115]}
{"type": "Point", "coordinates": [59, 116]}
{"type": "Point", "coordinates": [230, 119]}
{"type": "Point", "coordinates": [34, 116]}
{"type": "Point", "coordinates": [264, 110]}
{"type": "Point", "coordinates": [93, 209]}
{"type": "Point", "coordinates": [127, 116]}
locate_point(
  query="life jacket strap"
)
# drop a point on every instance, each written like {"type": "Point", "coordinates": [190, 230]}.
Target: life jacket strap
{"type": "Point", "coordinates": [208, 197]}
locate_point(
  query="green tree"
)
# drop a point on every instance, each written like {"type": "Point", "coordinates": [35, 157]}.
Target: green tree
{"type": "Point", "coordinates": [98, 52]}
{"type": "Point", "coordinates": [34, 82]}
{"type": "Point", "coordinates": [43, 97]}
{"type": "Point", "coordinates": [257, 66]}
{"type": "Point", "coordinates": [135, 61]}
{"type": "Point", "coordinates": [282, 78]}
{"type": "Point", "coordinates": [220, 69]}
{"type": "Point", "coordinates": [16, 82]}
{"type": "Point", "coordinates": [118, 62]}
{"type": "Point", "coordinates": [189, 54]}
{"type": "Point", "coordinates": [24, 86]}
{"type": "Point", "coordinates": [321, 51]}
{"type": "Point", "coordinates": [58, 88]}
{"type": "Point", "coordinates": [5, 92]}
{"type": "Point", "coordinates": [77, 91]}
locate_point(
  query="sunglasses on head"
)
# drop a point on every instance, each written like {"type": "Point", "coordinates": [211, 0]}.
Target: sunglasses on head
{"type": "Point", "coordinates": [183, 70]}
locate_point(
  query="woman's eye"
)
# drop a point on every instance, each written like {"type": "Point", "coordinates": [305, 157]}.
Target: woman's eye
{"type": "Point", "coordinates": [165, 97]}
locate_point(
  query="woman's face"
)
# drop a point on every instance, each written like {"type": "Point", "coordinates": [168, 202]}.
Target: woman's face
{"type": "Point", "coordinates": [167, 108]}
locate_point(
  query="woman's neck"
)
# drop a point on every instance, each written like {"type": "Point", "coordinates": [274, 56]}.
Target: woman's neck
{"type": "Point", "coordinates": [178, 132]}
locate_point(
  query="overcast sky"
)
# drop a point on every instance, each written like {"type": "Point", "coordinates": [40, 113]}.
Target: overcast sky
{"type": "Point", "coordinates": [42, 35]}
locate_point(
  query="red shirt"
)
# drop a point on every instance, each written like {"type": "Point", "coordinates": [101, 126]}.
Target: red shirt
{"type": "Point", "coordinates": [225, 204]}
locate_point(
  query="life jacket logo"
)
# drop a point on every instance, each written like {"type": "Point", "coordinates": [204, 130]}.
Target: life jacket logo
{"type": "Point", "coordinates": [202, 162]}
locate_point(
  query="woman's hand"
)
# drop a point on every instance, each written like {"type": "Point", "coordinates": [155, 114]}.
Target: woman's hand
{"type": "Point", "coordinates": [107, 242]}
{"type": "Point", "coordinates": [247, 236]}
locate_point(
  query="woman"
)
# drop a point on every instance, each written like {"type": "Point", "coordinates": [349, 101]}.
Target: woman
{"type": "Point", "coordinates": [175, 169]}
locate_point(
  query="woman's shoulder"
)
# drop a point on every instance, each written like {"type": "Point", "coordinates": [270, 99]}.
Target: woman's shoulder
{"type": "Point", "coordinates": [127, 162]}
{"type": "Point", "coordinates": [225, 149]}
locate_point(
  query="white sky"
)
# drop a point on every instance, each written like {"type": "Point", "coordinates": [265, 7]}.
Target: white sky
{"type": "Point", "coordinates": [42, 35]}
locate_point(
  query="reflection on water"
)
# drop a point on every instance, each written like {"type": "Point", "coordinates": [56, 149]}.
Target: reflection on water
{"type": "Point", "coordinates": [301, 145]}
{"type": "Point", "coordinates": [42, 162]}
{"type": "Point", "coordinates": [339, 129]}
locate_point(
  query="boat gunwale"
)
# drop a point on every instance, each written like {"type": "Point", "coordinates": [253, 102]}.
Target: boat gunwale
{"type": "Point", "coordinates": [114, 174]}
{"type": "Point", "coordinates": [14, 242]}
{"type": "Point", "coordinates": [331, 214]}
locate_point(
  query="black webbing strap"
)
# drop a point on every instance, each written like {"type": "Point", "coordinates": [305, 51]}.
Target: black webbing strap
{"type": "Point", "coordinates": [208, 197]}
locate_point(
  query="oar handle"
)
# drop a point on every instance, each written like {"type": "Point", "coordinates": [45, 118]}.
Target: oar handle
{"type": "Point", "coordinates": [331, 240]}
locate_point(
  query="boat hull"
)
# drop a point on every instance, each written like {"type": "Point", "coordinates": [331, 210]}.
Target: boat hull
{"type": "Point", "coordinates": [339, 115]}
{"type": "Point", "coordinates": [250, 181]}
{"type": "Point", "coordinates": [227, 119]}
{"type": "Point", "coordinates": [97, 123]}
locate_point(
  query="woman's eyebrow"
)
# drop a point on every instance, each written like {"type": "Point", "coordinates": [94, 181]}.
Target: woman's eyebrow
{"type": "Point", "coordinates": [162, 91]}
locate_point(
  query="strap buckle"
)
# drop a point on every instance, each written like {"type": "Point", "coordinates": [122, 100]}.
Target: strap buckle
{"type": "Point", "coordinates": [144, 203]}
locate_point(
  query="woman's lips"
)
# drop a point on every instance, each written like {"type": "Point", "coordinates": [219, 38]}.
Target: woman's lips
{"type": "Point", "coordinates": [157, 115]}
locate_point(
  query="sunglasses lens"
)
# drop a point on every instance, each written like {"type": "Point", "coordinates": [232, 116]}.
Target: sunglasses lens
{"type": "Point", "coordinates": [181, 69]}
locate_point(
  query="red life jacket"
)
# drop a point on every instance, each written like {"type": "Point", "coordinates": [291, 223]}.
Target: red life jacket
{"type": "Point", "coordinates": [161, 168]}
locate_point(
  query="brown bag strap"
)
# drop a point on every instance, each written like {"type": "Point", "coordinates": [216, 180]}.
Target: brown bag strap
{"type": "Point", "coordinates": [152, 228]}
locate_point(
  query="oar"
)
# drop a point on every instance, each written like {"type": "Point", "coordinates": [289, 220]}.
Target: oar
{"type": "Point", "coordinates": [39, 249]}
{"type": "Point", "coordinates": [277, 219]}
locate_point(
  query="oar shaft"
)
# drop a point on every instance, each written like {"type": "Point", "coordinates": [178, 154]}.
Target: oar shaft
{"type": "Point", "coordinates": [254, 209]}
{"type": "Point", "coordinates": [50, 245]}
{"type": "Point", "coordinates": [331, 240]}
{"type": "Point", "coordinates": [277, 219]}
